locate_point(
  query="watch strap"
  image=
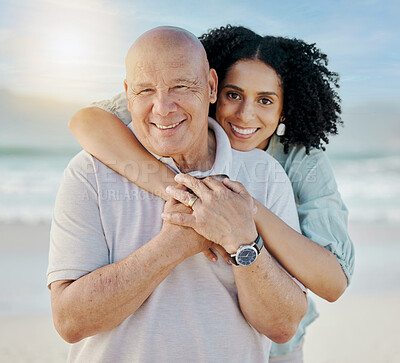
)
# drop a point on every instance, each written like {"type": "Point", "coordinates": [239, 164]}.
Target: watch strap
{"type": "Point", "coordinates": [258, 243]}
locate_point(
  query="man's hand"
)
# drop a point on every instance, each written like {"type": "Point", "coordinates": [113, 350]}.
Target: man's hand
{"type": "Point", "coordinates": [223, 212]}
{"type": "Point", "coordinates": [188, 238]}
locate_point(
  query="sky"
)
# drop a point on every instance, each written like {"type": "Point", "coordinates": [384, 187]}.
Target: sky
{"type": "Point", "coordinates": [75, 49]}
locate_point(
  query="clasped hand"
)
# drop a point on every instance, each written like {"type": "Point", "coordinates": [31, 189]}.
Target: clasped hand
{"type": "Point", "coordinates": [223, 212]}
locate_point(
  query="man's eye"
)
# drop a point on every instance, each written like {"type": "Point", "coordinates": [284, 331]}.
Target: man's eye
{"type": "Point", "coordinates": [265, 101]}
{"type": "Point", "coordinates": [144, 91]}
{"type": "Point", "coordinates": [233, 95]}
{"type": "Point", "coordinates": [179, 86]}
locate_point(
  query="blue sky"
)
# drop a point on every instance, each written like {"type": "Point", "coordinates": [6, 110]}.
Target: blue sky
{"type": "Point", "coordinates": [75, 49]}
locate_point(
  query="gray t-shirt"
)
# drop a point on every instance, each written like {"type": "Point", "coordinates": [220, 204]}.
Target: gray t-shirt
{"type": "Point", "coordinates": [193, 315]}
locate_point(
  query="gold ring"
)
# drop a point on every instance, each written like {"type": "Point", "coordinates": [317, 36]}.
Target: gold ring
{"type": "Point", "coordinates": [192, 201]}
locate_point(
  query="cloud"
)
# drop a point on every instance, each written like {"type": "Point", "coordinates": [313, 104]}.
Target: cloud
{"type": "Point", "coordinates": [361, 38]}
{"type": "Point", "coordinates": [92, 6]}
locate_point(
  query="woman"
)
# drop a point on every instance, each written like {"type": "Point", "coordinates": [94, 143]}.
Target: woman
{"type": "Point", "coordinates": [266, 84]}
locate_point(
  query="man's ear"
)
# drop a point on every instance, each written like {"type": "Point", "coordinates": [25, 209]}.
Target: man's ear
{"type": "Point", "coordinates": [213, 83]}
{"type": "Point", "coordinates": [126, 93]}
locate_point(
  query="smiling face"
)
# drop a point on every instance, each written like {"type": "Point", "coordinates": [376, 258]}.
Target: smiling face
{"type": "Point", "coordinates": [169, 90]}
{"type": "Point", "coordinates": [249, 105]}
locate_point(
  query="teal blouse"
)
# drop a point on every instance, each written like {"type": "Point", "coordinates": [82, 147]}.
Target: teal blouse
{"type": "Point", "coordinates": [322, 213]}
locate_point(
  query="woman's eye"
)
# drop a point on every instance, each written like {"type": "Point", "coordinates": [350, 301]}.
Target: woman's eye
{"type": "Point", "coordinates": [233, 95]}
{"type": "Point", "coordinates": [265, 101]}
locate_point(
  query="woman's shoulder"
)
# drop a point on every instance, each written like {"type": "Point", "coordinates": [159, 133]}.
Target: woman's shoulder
{"type": "Point", "coordinates": [297, 157]}
{"type": "Point", "coordinates": [310, 174]}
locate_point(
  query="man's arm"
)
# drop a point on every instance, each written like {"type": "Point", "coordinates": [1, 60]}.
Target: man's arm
{"type": "Point", "coordinates": [269, 298]}
{"type": "Point", "coordinates": [102, 299]}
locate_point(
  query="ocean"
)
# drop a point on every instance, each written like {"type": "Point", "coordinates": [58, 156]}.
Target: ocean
{"type": "Point", "coordinates": [369, 184]}
{"type": "Point", "coordinates": [30, 177]}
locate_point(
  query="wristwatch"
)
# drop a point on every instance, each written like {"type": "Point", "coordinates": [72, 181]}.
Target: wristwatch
{"type": "Point", "coordinates": [247, 254]}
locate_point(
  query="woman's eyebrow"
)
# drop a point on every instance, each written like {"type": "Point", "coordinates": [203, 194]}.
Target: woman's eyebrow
{"type": "Point", "coordinates": [232, 86]}
{"type": "Point", "coordinates": [269, 93]}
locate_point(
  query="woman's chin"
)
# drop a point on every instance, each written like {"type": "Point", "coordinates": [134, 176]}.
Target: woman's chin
{"type": "Point", "coordinates": [242, 146]}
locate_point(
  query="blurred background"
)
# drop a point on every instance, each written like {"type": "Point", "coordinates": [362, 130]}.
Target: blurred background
{"type": "Point", "coordinates": [58, 56]}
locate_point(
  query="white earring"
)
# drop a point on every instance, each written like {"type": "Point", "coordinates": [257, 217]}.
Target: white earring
{"type": "Point", "coordinates": [280, 131]}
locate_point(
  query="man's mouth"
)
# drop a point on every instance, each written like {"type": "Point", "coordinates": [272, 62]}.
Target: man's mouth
{"type": "Point", "coordinates": [244, 131]}
{"type": "Point", "coordinates": [163, 127]}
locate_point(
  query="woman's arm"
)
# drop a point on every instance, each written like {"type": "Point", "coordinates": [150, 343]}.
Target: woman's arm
{"type": "Point", "coordinates": [322, 258]}
{"type": "Point", "coordinates": [105, 136]}
{"type": "Point", "coordinates": [316, 267]}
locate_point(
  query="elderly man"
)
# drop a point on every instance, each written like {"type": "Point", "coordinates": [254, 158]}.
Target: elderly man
{"type": "Point", "coordinates": [128, 286]}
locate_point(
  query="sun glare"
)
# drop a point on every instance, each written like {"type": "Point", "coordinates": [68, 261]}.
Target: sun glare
{"type": "Point", "coordinates": [69, 47]}
{"type": "Point", "coordinates": [63, 48]}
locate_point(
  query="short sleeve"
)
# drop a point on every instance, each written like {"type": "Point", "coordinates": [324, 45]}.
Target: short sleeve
{"type": "Point", "coordinates": [322, 213]}
{"type": "Point", "coordinates": [77, 241]}
{"type": "Point", "coordinates": [118, 106]}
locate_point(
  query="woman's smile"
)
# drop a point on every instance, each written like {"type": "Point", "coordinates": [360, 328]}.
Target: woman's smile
{"type": "Point", "coordinates": [243, 132]}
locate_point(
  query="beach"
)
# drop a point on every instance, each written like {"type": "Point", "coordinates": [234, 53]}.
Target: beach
{"type": "Point", "coordinates": [362, 326]}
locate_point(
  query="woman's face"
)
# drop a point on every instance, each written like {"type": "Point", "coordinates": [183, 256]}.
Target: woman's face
{"type": "Point", "coordinates": [249, 104]}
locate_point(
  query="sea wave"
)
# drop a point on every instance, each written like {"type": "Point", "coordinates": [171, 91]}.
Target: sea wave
{"type": "Point", "coordinates": [35, 152]}
{"type": "Point", "coordinates": [30, 178]}
{"type": "Point", "coordinates": [370, 186]}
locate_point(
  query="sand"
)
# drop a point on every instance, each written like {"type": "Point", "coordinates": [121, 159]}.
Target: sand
{"type": "Point", "coordinates": [361, 327]}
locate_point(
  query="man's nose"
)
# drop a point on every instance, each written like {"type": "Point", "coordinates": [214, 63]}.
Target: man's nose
{"type": "Point", "coordinates": [247, 112]}
{"type": "Point", "coordinates": [163, 104]}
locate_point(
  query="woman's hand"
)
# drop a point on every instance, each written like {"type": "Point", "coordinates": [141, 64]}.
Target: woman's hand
{"type": "Point", "coordinates": [223, 212]}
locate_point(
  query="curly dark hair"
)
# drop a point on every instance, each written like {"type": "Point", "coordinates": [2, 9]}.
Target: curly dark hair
{"type": "Point", "coordinates": [311, 106]}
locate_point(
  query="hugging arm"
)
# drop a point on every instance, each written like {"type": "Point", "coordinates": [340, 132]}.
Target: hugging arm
{"type": "Point", "coordinates": [322, 257]}
{"type": "Point", "coordinates": [315, 266]}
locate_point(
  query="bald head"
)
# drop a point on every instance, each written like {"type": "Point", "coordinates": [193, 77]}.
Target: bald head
{"type": "Point", "coordinates": [164, 40]}
{"type": "Point", "coordinates": [168, 36]}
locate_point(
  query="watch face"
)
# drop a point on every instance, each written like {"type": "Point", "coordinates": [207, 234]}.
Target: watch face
{"type": "Point", "coordinates": [246, 255]}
